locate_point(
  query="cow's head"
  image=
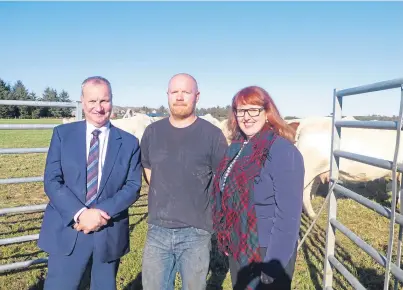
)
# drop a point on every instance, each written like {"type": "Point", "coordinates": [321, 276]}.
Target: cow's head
{"type": "Point", "coordinates": [295, 125]}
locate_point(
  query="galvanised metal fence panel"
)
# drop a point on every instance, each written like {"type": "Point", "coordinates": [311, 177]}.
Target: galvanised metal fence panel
{"type": "Point", "coordinates": [9, 241]}
{"type": "Point", "coordinates": [350, 277]}
{"type": "Point", "coordinates": [38, 104]}
{"type": "Point", "coordinates": [332, 205]}
{"type": "Point", "coordinates": [380, 209]}
{"type": "Point", "coordinates": [27, 126]}
{"type": "Point", "coordinates": [385, 164]}
{"type": "Point", "coordinates": [23, 150]}
{"type": "Point", "coordinates": [387, 125]}
{"type": "Point", "coordinates": [23, 209]}
{"type": "Point", "coordinates": [333, 224]}
{"type": "Point", "coordinates": [21, 180]}
{"type": "Point", "coordinates": [28, 208]}
{"type": "Point", "coordinates": [380, 86]}
{"type": "Point", "coordinates": [378, 257]}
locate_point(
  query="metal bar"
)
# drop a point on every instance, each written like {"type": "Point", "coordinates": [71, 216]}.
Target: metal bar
{"type": "Point", "coordinates": [23, 150]}
{"type": "Point", "coordinates": [79, 111]}
{"type": "Point", "coordinates": [400, 237]}
{"type": "Point", "coordinates": [382, 210]}
{"type": "Point", "coordinates": [382, 163]}
{"type": "Point", "coordinates": [21, 180]}
{"type": "Point", "coordinates": [23, 209]}
{"type": "Point", "coordinates": [399, 254]}
{"type": "Point", "coordinates": [20, 239]}
{"type": "Point", "coordinates": [386, 125]}
{"type": "Point", "coordinates": [394, 196]}
{"type": "Point", "coordinates": [22, 265]}
{"type": "Point", "coordinates": [332, 204]}
{"type": "Point", "coordinates": [37, 103]}
{"type": "Point", "coordinates": [27, 126]}
{"type": "Point", "coordinates": [397, 272]}
{"type": "Point", "coordinates": [350, 278]}
{"type": "Point", "coordinates": [379, 86]}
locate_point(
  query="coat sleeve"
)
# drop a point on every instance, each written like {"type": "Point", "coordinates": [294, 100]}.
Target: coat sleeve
{"type": "Point", "coordinates": [130, 191]}
{"type": "Point", "coordinates": [60, 196]}
{"type": "Point", "coordinates": [287, 172]}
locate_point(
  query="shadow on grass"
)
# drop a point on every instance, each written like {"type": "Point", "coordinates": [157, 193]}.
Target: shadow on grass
{"type": "Point", "coordinates": [7, 222]}
{"type": "Point", "coordinates": [132, 226]}
{"type": "Point", "coordinates": [16, 272]}
{"type": "Point", "coordinates": [21, 231]}
{"type": "Point", "coordinates": [135, 284]}
{"type": "Point", "coordinates": [378, 190]}
{"type": "Point", "coordinates": [314, 253]}
{"type": "Point", "coordinates": [27, 256]}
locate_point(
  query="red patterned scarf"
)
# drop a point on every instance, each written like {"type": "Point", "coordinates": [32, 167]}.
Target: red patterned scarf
{"type": "Point", "coordinates": [234, 214]}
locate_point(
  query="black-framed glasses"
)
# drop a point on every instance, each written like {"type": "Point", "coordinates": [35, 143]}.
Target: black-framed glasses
{"type": "Point", "coordinates": [253, 112]}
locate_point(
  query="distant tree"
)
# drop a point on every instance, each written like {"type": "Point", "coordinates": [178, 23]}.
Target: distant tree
{"type": "Point", "coordinates": [290, 117]}
{"type": "Point", "coordinates": [49, 95]}
{"type": "Point", "coordinates": [5, 92]}
{"type": "Point", "coordinates": [20, 92]}
{"type": "Point", "coordinates": [64, 97]}
{"type": "Point", "coordinates": [161, 110]}
{"type": "Point", "coordinates": [35, 111]}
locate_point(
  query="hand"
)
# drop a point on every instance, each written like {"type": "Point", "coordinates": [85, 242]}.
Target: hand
{"type": "Point", "coordinates": [91, 220]}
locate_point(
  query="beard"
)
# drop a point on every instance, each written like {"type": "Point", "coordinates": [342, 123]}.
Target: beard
{"type": "Point", "coordinates": [181, 111]}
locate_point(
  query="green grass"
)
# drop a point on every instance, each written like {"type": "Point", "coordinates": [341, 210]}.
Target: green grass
{"type": "Point", "coordinates": [309, 267]}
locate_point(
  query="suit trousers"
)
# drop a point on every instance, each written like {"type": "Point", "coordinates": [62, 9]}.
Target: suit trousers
{"type": "Point", "coordinates": [66, 272]}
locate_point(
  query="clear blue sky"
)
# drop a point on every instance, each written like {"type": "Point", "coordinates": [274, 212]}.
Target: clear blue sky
{"type": "Point", "coordinates": [297, 51]}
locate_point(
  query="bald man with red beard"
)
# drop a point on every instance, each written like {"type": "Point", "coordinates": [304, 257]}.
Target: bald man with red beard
{"type": "Point", "coordinates": [179, 156]}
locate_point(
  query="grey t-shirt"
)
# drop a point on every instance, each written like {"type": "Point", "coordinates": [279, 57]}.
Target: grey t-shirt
{"type": "Point", "coordinates": [182, 163]}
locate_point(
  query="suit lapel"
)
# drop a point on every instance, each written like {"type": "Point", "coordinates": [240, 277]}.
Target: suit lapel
{"type": "Point", "coordinates": [114, 144]}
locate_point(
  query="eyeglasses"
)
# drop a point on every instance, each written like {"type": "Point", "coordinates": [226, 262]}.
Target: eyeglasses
{"type": "Point", "coordinates": [253, 112]}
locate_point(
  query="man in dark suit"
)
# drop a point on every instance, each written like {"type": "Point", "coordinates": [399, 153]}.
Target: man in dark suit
{"type": "Point", "coordinates": [92, 177]}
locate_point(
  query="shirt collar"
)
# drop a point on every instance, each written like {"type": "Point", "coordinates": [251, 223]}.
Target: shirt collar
{"type": "Point", "coordinates": [103, 129]}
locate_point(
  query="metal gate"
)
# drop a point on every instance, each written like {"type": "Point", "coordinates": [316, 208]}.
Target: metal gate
{"type": "Point", "coordinates": [333, 224]}
{"type": "Point", "coordinates": [28, 208]}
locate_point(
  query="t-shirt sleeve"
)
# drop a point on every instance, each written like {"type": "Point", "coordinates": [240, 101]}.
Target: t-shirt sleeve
{"type": "Point", "coordinates": [144, 146]}
{"type": "Point", "coordinates": [219, 147]}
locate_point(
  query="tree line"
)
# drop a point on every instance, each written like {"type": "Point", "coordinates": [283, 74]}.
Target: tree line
{"type": "Point", "coordinates": [217, 112]}
{"type": "Point", "coordinates": [18, 91]}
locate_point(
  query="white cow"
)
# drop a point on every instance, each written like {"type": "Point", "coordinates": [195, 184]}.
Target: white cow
{"type": "Point", "coordinates": [68, 120]}
{"type": "Point", "coordinates": [211, 119]}
{"type": "Point", "coordinates": [313, 139]}
{"type": "Point", "coordinates": [224, 128]}
{"type": "Point", "coordinates": [135, 124]}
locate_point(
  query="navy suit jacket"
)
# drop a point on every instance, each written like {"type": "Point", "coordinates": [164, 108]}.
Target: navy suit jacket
{"type": "Point", "coordinates": [65, 185]}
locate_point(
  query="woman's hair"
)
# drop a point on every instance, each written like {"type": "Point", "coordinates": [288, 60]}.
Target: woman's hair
{"type": "Point", "coordinates": [254, 95]}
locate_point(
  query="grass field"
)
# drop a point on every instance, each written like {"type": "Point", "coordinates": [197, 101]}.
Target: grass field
{"type": "Point", "coordinates": [372, 228]}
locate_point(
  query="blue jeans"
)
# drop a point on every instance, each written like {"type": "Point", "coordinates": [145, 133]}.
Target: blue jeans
{"type": "Point", "coordinates": [167, 251]}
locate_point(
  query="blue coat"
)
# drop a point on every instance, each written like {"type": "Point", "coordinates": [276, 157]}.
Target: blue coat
{"type": "Point", "coordinates": [65, 185]}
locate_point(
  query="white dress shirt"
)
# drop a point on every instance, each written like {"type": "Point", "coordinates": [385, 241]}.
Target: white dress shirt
{"type": "Point", "coordinates": [103, 145]}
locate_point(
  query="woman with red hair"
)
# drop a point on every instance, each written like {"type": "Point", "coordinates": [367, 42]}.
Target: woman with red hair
{"type": "Point", "coordinates": [257, 195]}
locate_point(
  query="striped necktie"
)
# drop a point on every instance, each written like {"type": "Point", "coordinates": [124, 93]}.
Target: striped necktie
{"type": "Point", "coordinates": [92, 168]}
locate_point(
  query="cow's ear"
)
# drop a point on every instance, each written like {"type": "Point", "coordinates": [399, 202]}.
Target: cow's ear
{"type": "Point", "coordinates": [294, 125]}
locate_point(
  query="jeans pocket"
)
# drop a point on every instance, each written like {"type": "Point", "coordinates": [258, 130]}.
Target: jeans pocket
{"type": "Point", "coordinates": [202, 232]}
